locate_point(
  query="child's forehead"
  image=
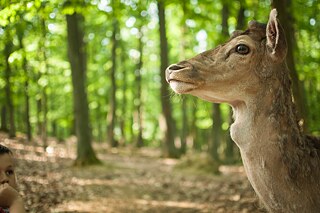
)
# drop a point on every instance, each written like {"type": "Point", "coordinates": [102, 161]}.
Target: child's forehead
{"type": "Point", "coordinates": [6, 160]}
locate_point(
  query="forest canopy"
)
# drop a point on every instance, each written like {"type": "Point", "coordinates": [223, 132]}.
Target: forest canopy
{"type": "Point", "coordinates": [64, 60]}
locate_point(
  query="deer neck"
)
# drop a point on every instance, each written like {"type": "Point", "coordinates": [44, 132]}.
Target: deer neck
{"type": "Point", "coordinates": [261, 120]}
{"type": "Point", "coordinates": [253, 127]}
{"type": "Point", "coordinates": [268, 136]}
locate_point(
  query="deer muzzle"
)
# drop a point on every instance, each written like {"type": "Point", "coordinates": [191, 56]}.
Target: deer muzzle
{"type": "Point", "coordinates": [182, 77]}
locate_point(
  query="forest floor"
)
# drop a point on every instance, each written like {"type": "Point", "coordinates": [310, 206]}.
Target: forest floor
{"type": "Point", "coordinates": [128, 181]}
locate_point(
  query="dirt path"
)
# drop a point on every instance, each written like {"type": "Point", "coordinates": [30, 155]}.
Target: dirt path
{"type": "Point", "coordinates": [127, 182]}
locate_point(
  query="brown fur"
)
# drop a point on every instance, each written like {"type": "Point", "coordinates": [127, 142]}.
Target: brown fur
{"type": "Point", "coordinates": [282, 164]}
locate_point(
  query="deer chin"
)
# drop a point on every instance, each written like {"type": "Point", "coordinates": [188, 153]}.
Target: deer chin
{"type": "Point", "coordinates": [181, 87]}
{"type": "Point", "coordinates": [215, 97]}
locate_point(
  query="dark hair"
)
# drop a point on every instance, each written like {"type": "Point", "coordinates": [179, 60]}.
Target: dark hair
{"type": "Point", "coordinates": [4, 150]}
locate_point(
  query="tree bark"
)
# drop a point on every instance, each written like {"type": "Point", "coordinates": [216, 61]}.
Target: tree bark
{"type": "Point", "coordinates": [44, 99]}
{"type": "Point", "coordinates": [111, 119]}
{"type": "Point", "coordinates": [7, 51]}
{"type": "Point", "coordinates": [20, 32]}
{"type": "Point", "coordinates": [124, 106]}
{"type": "Point", "coordinates": [241, 17]}
{"type": "Point", "coordinates": [167, 123]}
{"type": "Point", "coordinates": [184, 128]}
{"type": "Point", "coordinates": [77, 58]}
{"type": "Point", "coordinates": [42, 102]}
{"type": "Point", "coordinates": [216, 137]}
{"type": "Point", "coordinates": [139, 142]}
{"type": "Point", "coordinates": [3, 126]}
{"type": "Point", "coordinates": [44, 109]}
{"type": "Point", "coordinates": [38, 116]}
{"type": "Point", "coordinates": [193, 133]}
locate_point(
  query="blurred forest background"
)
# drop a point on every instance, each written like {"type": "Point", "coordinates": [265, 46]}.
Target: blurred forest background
{"type": "Point", "coordinates": [95, 69]}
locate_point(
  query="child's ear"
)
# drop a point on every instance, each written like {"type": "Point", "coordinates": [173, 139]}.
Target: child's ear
{"type": "Point", "coordinates": [276, 41]}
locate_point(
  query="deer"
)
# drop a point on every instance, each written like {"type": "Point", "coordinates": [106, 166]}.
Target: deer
{"type": "Point", "coordinates": [249, 73]}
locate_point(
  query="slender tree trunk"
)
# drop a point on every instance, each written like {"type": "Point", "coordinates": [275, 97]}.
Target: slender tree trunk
{"type": "Point", "coordinates": [42, 102]}
{"type": "Point", "coordinates": [4, 126]}
{"type": "Point", "coordinates": [241, 17]}
{"type": "Point", "coordinates": [140, 142]}
{"type": "Point", "coordinates": [167, 121]}
{"type": "Point", "coordinates": [99, 123]}
{"type": "Point", "coordinates": [7, 51]}
{"type": "Point", "coordinates": [184, 128]}
{"type": "Point", "coordinates": [124, 106]}
{"type": "Point", "coordinates": [20, 32]}
{"type": "Point", "coordinates": [54, 128]}
{"type": "Point", "coordinates": [111, 119]}
{"type": "Point", "coordinates": [216, 132]}
{"type": "Point", "coordinates": [286, 18]}
{"type": "Point", "coordinates": [225, 17]}
{"type": "Point", "coordinates": [27, 109]}
{"type": "Point", "coordinates": [44, 134]}
{"type": "Point", "coordinates": [77, 57]}
{"type": "Point", "coordinates": [38, 116]}
{"type": "Point", "coordinates": [193, 127]}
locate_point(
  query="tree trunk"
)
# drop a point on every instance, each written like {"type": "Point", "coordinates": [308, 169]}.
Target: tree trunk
{"type": "Point", "coordinates": [99, 123]}
{"type": "Point", "coordinates": [27, 102]}
{"type": "Point", "coordinates": [20, 32]}
{"type": "Point", "coordinates": [184, 128]}
{"type": "Point", "coordinates": [287, 21]}
{"type": "Point", "coordinates": [225, 17]}
{"type": "Point", "coordinates": [241, 17]}
{"type": "Point", "coordinates": [77, 57]}
{"type": "Point", "coordinates": [111, 119]}
{"type": "Point", "coordinates": [38, 116]}
{"type": "Point", "coordinates": [139, 142]}
{"type": "Point", "coordinates": [7, 51]}
{"type": "Point", "coordinates": [54, 128]}
{"type": "Point", "coordinates": [216, 137]}
{"type": "Point", "coordinates": [193, 127]}
{"type": "Point", "coordinates": [167, 123]}
{"type": "Point", "coordinates": [3, 126]}
{"type": "Point", "coordinates": [124, 107]}
{"type": "Point", "coordinates": [44, 105]}
{"type": "Point", "coordinates": [44, 99]}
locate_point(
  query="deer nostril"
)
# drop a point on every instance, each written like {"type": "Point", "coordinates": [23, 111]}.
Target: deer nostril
{"type": "Point", "coordinates": [175, 67]}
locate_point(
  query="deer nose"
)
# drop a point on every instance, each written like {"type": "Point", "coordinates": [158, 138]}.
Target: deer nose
{"type": "Point", "coordinates": [174, 67]}
{"type": "Point", "coordinates": [171, 69]}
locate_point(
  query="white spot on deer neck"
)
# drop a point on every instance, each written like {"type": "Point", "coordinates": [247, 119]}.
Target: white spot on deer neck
{"type": "Point", "coordinates": [242, 130]}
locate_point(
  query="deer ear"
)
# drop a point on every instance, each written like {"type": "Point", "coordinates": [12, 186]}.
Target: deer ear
{"type": "Point", "coordinates": [276, 41]}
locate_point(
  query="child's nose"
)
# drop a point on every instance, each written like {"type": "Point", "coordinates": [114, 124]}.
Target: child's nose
{"type": "Point", "coordinates": [3, 178]}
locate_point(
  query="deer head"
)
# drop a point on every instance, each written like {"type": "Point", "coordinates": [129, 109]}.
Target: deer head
{"type": "Point", "coordinates": [233, 71]}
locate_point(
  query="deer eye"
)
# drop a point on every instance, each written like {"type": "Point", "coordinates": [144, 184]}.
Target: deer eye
{"type": "Point", "coordinates": [242, 49]}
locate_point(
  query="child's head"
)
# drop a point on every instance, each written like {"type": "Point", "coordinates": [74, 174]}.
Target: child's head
{"type": "Point", "coordinates": [7, 173]}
